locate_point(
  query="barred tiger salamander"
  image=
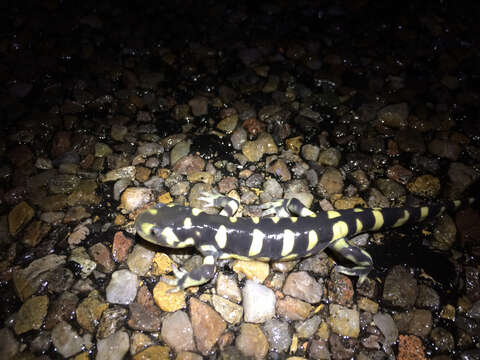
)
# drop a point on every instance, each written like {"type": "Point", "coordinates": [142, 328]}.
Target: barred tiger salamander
{"type": "Point", "coordinates": [281, 237]}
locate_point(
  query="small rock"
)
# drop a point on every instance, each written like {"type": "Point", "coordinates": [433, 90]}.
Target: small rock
{"type": "Point", "coordinates": [253, 270]}
{"type": "Point", "coordinates": [293, 309]}
{"type": "Point", "coordinates": [121, 246]}
{"type": "Point", "coordinates": [177, 332]}
{"type": "Point", "coordinates": [400, 289]}
{"type": "Point", "coordinates": [388, 328]}
{"type": "Point", "coordinates": [252, 341]}
{"type": "Point", "coordinates": [445, 149]}
{"type": "Point", "coordinates": [90, 310]}
{"type": "Point", "coordinates": [166, 301]}
{"type": "Point", "coordinates": [122, 288]}
{"type": "Point", "coordinates": [101, 255]}
{"type": "Point", "coordinates": [67, 342]}
{"type": "Point", "coordinates": [9, 346]}
{"type": "Point", "coordinates": [425, 185]}
{"type": "Point", "coordinates": [113, 347]}
{"type": "Point", "coordinates": [207, 325]}
{"type": "Point", "coordinates": [31, 314]}
{"type": "Point", "coordinates": [278, 335]}
{"type": "Point", "coordinates": [140, 260]}
{"type": "Point", "coordinates": [344, 321]}
{"type": "Point", "coordinates": [307, 328]}
{"type": "Point", "coordinates": [331, 182]}
{"type": "Point", "coordinates": [394, 115]}
{"type": "Point", "coordinates": [111, 321]}
{"type": "Point", "coordinates": [330, 157]}
{"type": "Point", "coordinates": [134, 198]}
{"type": "Point", "coordinates": [302, 286]}
{"type": "Point", "coordinates": [156, 352]}
{"type": "Point", "coordinates": [20, 215]}
{"type": "Point", "coordinates": [410, 348]}
{"type": "Point", "coordinates": [258, 302]}
{"type": "Point", "coordinates": [227, 287]}
{"type": "Point", "coordinates": [230, 312]}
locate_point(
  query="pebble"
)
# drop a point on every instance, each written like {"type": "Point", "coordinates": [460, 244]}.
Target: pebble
{"type": "Point", "coordinates": [207, 325]}
{"type": "Point", "coordinates": [189, 164]}
{"type": "Point", "coordinates": [169, 302]}
{"type": "Point", "coordinates": [113, 347]}
{"type": "Point", "coordinates": [253, 270]}
{"type": "Point", "coordinates": [410, 347]}
{"type": "Point", "coordinates": [8, 344]}
{"type": "Point", "coordinates": [258, 302]}
{"type": "Point", "coordinates": [278, 335]}
{"type": "Point", "coordinates": [67, 341]}
{"type": "Point", "coordinates": [331, 182]}
{"type": "Point", "coordinates": [140, 259]}
{"type": "Point", "coordinates": [29, 279]}
{"type": "Point", "coordinates": [180, 150]}
{"type": "Point", "coordinates": [157, 352]}
{"type": "Point", "coordinates": [292, 309]}
{"type": "Point", "coordinates": [330, 157]}
{"type": "Point", "coordinates": [121, 247]}
{"type": "Point", "coordinates": [252, 341]}
{"type": "Point", "coordinates": [310, 152]}
{"type": "Point", "coordinates": [227, 287]}
{"type": "Point", "coordinates": [230, 312]}
{"type": "Point", "coordinates": [177, 332]}
{"type": "Point", "coordinates": [31, 314]}
{"type": "Point", "coordinates": [19, 216]}
{"type": "Point", "coordinates": [400, 289]}
{"type": "Point", "coordinates": [344, 321]}
{"type": "Point", "coordinates": [388, 328]}
{"type": "Point", "coordinates": [90, 310]}
{"type": "Point", "coordinates": [111, 321]}
{"type": "Point", "coordinates": [442, 339]}
{"type": "Point", "coordinates": [122, 288]}
{"type": "Point", "coordinates": [425, 185]}
{"type": "Point", "coordinates": [127, 172]}
{"type": "Point", "coordinates": [304, 287]}
{"type": "Point", "coordinates": [444, 233]}
{"type": "Point", "coordinates": [445, 149]}
{"type": "Point", "coordinates": [133, 198]}
{"type": "Point", "coordinates": [86, 265]}
{"type": "Point", "coordinates": [307, 329]}
{"type": "Point", "coordinates": [394, 115]}
{"type": "Point", "coordinates": [410, 141]}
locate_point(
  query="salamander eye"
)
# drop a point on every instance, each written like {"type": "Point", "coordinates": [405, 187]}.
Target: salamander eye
{"type": "Point", "coordinates": [156, 231]}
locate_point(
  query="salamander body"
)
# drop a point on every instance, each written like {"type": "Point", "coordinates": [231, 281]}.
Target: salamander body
{"type": "Point", "coordinates": [281, 237]}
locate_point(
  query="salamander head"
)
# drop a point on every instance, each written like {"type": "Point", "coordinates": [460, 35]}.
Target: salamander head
{"type": "Point", "coordinates": [155, 226]}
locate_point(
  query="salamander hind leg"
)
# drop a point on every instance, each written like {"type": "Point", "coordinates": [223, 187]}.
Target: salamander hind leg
{"type": "Point", "coordinates": [358, 256]}
{"type": "Point", "coordinates": [199, 276]}
{"type": "Point", "coordinates": [228, 205]}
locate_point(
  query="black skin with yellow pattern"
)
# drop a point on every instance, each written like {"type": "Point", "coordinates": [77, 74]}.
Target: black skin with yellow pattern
{"type": "Point", "coordinates": [281, 237]}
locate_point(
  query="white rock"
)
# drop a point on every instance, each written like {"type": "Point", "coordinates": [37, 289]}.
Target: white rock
{"type": "Point", "coordinates": [122, 289]}
{"type": "Point", "coordinates": [258, 302]}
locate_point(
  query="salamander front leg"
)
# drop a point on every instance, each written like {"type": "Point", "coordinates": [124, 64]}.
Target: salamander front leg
{"type": "Point", "coordinates": [356, 255]}
{"type": "Point", "coordinates": [286, 207]}
{"type": "Point", "coordinates": [199, 276]}
{"type": "Point", "coordinates": [228, 205]}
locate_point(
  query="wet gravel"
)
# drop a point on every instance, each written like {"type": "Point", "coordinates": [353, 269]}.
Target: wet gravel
{"type": "Point", "coordinates": [109, 107]}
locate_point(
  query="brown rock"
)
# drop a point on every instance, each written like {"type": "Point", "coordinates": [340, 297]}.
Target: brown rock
{"type": "Point", "coordinates": [31, 314]}
{"type": "Point", "coordinates": [293, 309]}
{"type": "Point", "coordinates": [207, 325]}
{"type": "Point", "coordinates": [410, 348]}
{"type": "Point", "coordinates": [101, 255]}
{"type": "Point", "coordinates": [19, 216]}
{"type": "Point", "coordinates": [121, 246]}
{"type": "Point", "coordinates": [252, 341]}
{"type": "Point", "coordinates": [90, 310]}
